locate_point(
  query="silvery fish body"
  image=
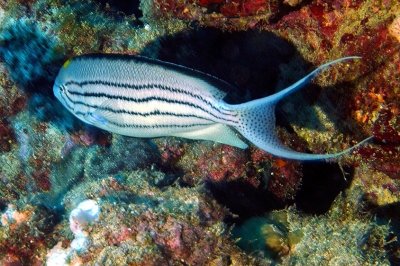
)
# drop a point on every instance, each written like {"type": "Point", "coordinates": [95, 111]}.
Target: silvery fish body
{"type": "Point", "coordinates": [142, 97]}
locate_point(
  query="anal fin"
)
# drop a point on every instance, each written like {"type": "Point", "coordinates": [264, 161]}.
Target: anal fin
{"type": "Point", "coordinates": [215, 132]}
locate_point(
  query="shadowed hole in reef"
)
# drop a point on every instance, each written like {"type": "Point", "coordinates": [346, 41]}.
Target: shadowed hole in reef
{"type": "Point", "coordinates": [285, 9]}
{"type": "Point", "coordinates": [243, 200]}
{"type": "Point", "coordinates": [321, 184]}
{"type": "Point", "coordinates": [248, 60]}
{"type": "Point", "coordinates": [3, 205]}
{"type": "Point", "coordinates": [126, 7]}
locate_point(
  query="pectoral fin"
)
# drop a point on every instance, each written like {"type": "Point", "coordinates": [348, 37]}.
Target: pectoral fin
{"type": "Point", "coordinates": [103, 115]}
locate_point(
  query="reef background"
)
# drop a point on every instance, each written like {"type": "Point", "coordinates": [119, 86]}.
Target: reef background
{"type": "Point", "coordinates": [181, 202]}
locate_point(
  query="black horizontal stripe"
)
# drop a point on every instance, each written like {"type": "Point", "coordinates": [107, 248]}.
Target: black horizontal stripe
{"type": "Point", "coordinates": [146, 87]}
{"type": "Point", "coordinates": [148, 99]}
{"type": "Point", "coordinates": [65, 101]}
{"type": "Point", "coordinates": [152, 113]}
{"type": "Point", "coordinates": [132, 125]}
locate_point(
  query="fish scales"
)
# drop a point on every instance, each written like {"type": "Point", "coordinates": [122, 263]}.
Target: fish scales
{"type": "Point", "coordinates": [100, 96]}
{"type": "Point", "coordinates": [155, 100]}
{"type": "Point", "coordinates": [141, 97]}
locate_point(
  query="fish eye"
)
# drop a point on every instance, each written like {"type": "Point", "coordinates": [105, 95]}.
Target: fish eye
{"type": "Point", "coordinates": [62, 88]}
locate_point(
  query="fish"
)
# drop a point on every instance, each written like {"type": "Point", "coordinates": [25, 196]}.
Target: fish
{"type": "Point", "coordinates": [142, 97]}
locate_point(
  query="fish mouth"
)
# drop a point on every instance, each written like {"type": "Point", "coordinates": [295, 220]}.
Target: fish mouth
{"type": "Point", "coordinates": [57, 91]}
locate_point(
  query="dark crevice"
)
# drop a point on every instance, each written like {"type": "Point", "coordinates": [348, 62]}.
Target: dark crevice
{"type": "Point", "coordinates": [119, 9]}
{"type": "Point", "coordinates": [322, 182]}
{"type": "Point", "coordinates": [248, 60]}
{"type": "Point", "coordinates": [243, 200]}
{"type": "Point", "coordinates": [285, 9]}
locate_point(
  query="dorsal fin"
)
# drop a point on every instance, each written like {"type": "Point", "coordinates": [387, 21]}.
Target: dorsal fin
{"type": "Point", "coordinates": [304, 81]}
{"type": "Point", "coordinates": [218, 88]}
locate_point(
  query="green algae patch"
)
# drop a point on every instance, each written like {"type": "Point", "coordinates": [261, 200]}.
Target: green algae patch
{"type": "Point", "coordinates": [269, 235]}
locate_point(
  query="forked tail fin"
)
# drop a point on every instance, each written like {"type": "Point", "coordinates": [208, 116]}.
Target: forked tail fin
{"type": "Point", "coordinates": [257, 121]}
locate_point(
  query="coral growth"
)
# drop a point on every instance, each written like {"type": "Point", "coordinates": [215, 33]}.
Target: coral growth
{"type": "Point", "coordinates": [141, 224]}
{"type": "Point", "coordinates": [24, 235]}
{"type": "Point", "coordinates": [225, 164]}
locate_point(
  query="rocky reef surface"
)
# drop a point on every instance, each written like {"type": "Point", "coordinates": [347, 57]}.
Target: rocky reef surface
{"type": "Point", "coordinates": [71, 194]}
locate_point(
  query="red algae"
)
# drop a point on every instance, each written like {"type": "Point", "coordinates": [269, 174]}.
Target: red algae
{"type": "Point", "coordinates": [7, 137]}
{"type": "Point", "coordinates": [42, 179]}
{"type": "Point", "coordinates": [24, 235]}
{"type": "Point", "coordinates": [225, 164]}
{"type": "Point", "coordinates": [286, 179]}
{"type": "Point", "coordinates": [243, 8]}
{"type": "Point", "coordinates": [209, 2]}
{"type": "Point", "coordinates": [171, 152]}
{"type": "Point", "coordinates": [214, 12]}
{"type": "Point", "coordinates": [222, 164]}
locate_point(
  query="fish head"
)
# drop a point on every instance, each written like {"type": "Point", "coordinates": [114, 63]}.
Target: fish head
{"type": "Point", "coordinates": [67, 91]}
{"type": "Point", "coordinates": [58, 91]}
{"type": "Point", "coordinates": [60, 87]}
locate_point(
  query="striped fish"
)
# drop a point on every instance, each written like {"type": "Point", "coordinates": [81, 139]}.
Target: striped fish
{"type": "Point", "coordinates": [142, 97]}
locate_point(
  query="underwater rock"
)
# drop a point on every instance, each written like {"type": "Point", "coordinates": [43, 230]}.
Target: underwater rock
{"type": "Point", "coordinates": [394, 28]}
{"type": "Point", "coordinates": [344, 229]}
{"type": "Point", "coordinates": [7, 137]}
{"type": "Point", "coordinates": [233, 14]}
{"type": "Point", "coordinates": [143, 224]}
{"type": "Point", "coordinates": [40, 146]}
{"type": "Point", "coordinates": [222, 164]}
{"type": "Point", "coordinates": [269, 235]}
{"type": "Point", "coordinates": [383, 189]}
{"type": "Point", "coordinates": [124, 153]}
{"type": "Point", "coordinates": [12, 100]}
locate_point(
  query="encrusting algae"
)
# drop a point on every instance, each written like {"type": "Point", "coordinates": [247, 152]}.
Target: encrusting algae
{"type": "Point", "coordinates": [394, 28]}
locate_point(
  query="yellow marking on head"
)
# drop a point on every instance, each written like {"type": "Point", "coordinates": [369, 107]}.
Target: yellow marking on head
{"type": "Point", "coordinates": [66, 64]}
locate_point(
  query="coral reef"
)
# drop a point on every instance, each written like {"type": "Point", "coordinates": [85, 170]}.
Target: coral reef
{"type": "Point", "coordinates": [224, 164]}
{"type": "Point", "coordinates": [143, 225]}
{"type": "Point", "coordinates": [292, 238]}
{"type": "Point", "coordinates": [175, 201]}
